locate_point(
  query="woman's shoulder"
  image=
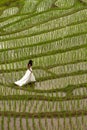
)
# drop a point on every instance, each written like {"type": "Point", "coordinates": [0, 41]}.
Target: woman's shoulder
{"type": "Point", "coordinates": [30, 69]}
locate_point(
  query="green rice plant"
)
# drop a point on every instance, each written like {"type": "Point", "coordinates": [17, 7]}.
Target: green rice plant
{"type": "Point", "coordinates": [8, 127]}
{"type": "Point", "coordinates": [40, 124]}
{"type": "Point", "coordinates": [34, 124]}
{"type": "Point", "coordinates": [27, 123]}
{"type": "Point", "coordinates": [52, 124]}
{"type": "Point", "coordinates": [49, 14]}
{"type": "Point", "coordinates": [82, 118]}
{"type": "Point", "coordinates": [2, 122]}
{"type": "Point", "coordinates": [4, 106]}
{"type": "Point", "coordinates": [36, 104]}
{"type": "Point", "coordinates": [15, 105]}
{"type": "Point", "coordinates": [70, 122]}
{"type": "Point", "coordinates": [20, 106]}
{"type": "Point", "coordinates": [46, 123]}
{"type": "Point", "coordinates": [77, 122]}
{"type": "Point", "coordinates": [21, 124]}
{"type": "Point", "coordinates": [9, 104]}
{"type": "Point", "coordinates": [14, 122]}
{"type": "Point", "coordinates": [45, 27]}
{"type": "Point", "coordinates": [24, 107]}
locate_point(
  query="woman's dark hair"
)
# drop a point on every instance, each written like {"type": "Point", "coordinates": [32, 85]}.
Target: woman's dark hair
{"type": "Point", "coordinates": [30, 62]}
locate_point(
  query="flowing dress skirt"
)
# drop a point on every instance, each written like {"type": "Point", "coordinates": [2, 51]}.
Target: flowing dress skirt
{"type": "Point", "coordinates": [27, 78]}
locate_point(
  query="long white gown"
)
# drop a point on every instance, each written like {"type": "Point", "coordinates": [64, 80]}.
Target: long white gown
{"type": "Point", "coordinates": [27, 78]}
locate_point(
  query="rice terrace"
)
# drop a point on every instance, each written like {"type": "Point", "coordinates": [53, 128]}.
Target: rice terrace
{"type": "Point", "coordinates": [53, 33]}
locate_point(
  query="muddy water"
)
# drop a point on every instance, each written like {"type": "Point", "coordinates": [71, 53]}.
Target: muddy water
{"type": "Point", "coordinates": [43, 106]}
{"type": "Point", "coordinates": [73, 123]}
{"type": "Point", "coordinates": [61, 82]}
{"type": "Point", "coordinates": [80, 91]}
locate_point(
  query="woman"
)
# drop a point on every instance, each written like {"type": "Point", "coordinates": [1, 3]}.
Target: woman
{"type": "Point", "coordinates": [28, 77]}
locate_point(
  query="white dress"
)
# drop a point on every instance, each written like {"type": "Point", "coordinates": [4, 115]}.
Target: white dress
{"type": "Point", "coordinates": [27, 78]}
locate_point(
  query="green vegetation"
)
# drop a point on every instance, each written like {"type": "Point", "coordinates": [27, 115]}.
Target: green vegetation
{"type": "Point", "coordinates": [6, 4]}
{"type": "Point", "coordinates": [53, 33]}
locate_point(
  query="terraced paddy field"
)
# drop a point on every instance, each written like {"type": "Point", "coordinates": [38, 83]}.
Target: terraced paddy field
{"type": "Point", "coordinates": [53, 33]}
